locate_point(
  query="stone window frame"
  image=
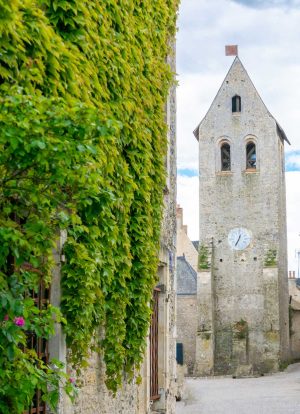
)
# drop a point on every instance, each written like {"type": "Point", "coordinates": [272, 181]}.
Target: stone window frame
{"type": "Point", "coordinates": [251, 139]}
{"type": "Point", "coordinates": [236, 104]}
{"type": "Point", "coordinates": [220, 142]}
{"type": "Point", "coordinates": [225, 156]}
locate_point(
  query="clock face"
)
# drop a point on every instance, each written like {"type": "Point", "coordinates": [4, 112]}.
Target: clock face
{"type": "Point", "coordinates": [239, 238]}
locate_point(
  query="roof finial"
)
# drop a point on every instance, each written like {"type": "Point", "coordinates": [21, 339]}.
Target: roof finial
{"type": "Point", "coordinates": [231, 50]}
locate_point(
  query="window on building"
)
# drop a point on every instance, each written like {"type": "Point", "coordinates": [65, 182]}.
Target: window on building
{"type": "Point", "coordinates": [39, 345]}
{"type": "Point", "coordinates": [225, 157]}
{"type": "Point", "coordinates": [250, 155]}
{"type": "Point", "coordinates": [236, 104]}
{"type": "Point", "coordinates": [179, 353]}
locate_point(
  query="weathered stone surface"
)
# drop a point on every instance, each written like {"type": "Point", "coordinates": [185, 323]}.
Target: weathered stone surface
{"type": "Point", "coordinates": [250, 284]}
{"type": "Point", "coordinates": [133, 398]}
{"type": "Point", "coordinates": [294, 292]}
{"type": "Point", "coordinates": [187, 328]}
{"type": "Point", "coordinates": [186, 289]}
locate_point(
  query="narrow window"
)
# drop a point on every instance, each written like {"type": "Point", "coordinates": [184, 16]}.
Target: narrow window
{"type": "Point", "coordinates": [236, 104]}
{"type": "Point", "coordinates": [250, 155]}
{"type": "Point", "coordinates": [225, 157]}
{"type": "Point", "coordinates": [179, 353]}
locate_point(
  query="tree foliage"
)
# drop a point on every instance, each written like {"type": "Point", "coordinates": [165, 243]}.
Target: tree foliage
{"type": "Point", "coordinates": [83, 87]}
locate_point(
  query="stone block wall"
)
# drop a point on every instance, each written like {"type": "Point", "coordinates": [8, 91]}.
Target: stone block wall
{"type": "Point", "coordinates": [187, 309]}
{"type": "Point", "coordinates": [94, 397]}
{"type": "Point", "coordinates": [134, 398]}
{"type": "Point", "coordinates": [295, 334]}
{"type": "Point", "coordinates": [167, 271]}
{"type": "Point", "coordinates": [205, 344]}
{"type": "Point", "coordinates": [294, 309]}
{"type": "Point", "coordinates": [187, 321]}
{"type": "Point", "coordinates": [247, 285]}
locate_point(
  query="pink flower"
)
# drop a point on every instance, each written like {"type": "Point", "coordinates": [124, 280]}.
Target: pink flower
{"type": "Point", "coordinates": [19, 321]}
{"type": "Point", "coordinates": [6, 317]}
{"type": "Point", "coordinates": [72, 380]}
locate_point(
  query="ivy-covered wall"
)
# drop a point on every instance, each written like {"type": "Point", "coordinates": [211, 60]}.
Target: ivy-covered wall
{"type": "Point", "coordinates": [83, 86]}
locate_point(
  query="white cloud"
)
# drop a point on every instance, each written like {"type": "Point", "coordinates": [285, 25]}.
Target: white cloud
{"type": "Point", "coordinates": [192, 104]}
{"type": "Point", "coordinates": [268, 43]}
{"type": "Point", "coordinates": [269, 3]}
{"type": "Point", "coordinates": [188, 199]}
{"type": "Point", "coordinates": [293, 160]}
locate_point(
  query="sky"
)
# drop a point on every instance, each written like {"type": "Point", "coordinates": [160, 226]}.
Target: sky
{"type": "Point", "coordinates": [267, 33]}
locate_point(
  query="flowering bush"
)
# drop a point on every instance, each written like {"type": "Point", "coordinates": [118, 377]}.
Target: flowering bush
{"type": "Point", "coordinates": [22, 371]}
{"type": "Point", "coordinates": [19, 321]}
{"type": "Point", "coordinates": [83, 138]}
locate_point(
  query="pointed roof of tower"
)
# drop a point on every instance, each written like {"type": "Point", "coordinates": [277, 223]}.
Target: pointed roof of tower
{"type": "Point", "coordinates": [237, 62]}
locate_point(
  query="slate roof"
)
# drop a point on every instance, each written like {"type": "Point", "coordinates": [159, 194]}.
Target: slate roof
{"type": "Point", "coordinates": [196, 244]}
{"type": "Point", "coordinates": [186, 277]}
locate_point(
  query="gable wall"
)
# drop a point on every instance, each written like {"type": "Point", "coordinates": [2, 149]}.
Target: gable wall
{"type": "Point", "coordinates": [242, 288]}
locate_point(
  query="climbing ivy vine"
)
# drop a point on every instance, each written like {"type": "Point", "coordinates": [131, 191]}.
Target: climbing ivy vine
{"type": "Point", "coordinates": [83, 87]}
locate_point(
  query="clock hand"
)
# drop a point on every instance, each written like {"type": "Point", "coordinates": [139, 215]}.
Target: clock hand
{"type": "Point", "coordinates": [238, 240]}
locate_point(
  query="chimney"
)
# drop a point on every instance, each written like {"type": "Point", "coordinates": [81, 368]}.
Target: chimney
{"type": "Point", "coordinates": [179, 215]}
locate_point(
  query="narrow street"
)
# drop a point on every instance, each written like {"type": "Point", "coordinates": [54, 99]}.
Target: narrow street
{"type": "Point", "coordinates": [273, 394]}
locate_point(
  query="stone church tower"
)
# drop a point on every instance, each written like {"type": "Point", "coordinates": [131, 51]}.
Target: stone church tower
{"type": "Point", "coordinates": [243, 297]}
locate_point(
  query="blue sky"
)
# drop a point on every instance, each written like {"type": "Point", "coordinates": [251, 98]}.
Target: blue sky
{"type": "Point", "coordinates": [187, 172]}
{"type": "Point", "coordinates": [269, 3]}
{"type": "Point", "coordinates": [292, 163]}
{"type": "Point", "coordinates": [268, 35]}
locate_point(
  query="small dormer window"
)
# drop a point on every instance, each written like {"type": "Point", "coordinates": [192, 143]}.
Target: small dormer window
{"type": "Point", "coordinates": [236, 104]}
{"type": "Point", "coordinates": [250, 156]}
{"type": "Point", "coordinates": [225, 157]}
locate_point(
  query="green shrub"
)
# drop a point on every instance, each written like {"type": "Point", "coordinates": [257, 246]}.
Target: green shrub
{"type": "Point", "coordinates": [83, 87]}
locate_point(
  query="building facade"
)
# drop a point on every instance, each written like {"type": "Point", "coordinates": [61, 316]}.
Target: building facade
{"type": "Point", "coordinates": [186, 291]}
{"type": "Point", "coordinates": [242, 285]}
{"type": "Point", "coordinates": [294, 314]}
{"type": "Point", "coordinates": [158, 388]}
